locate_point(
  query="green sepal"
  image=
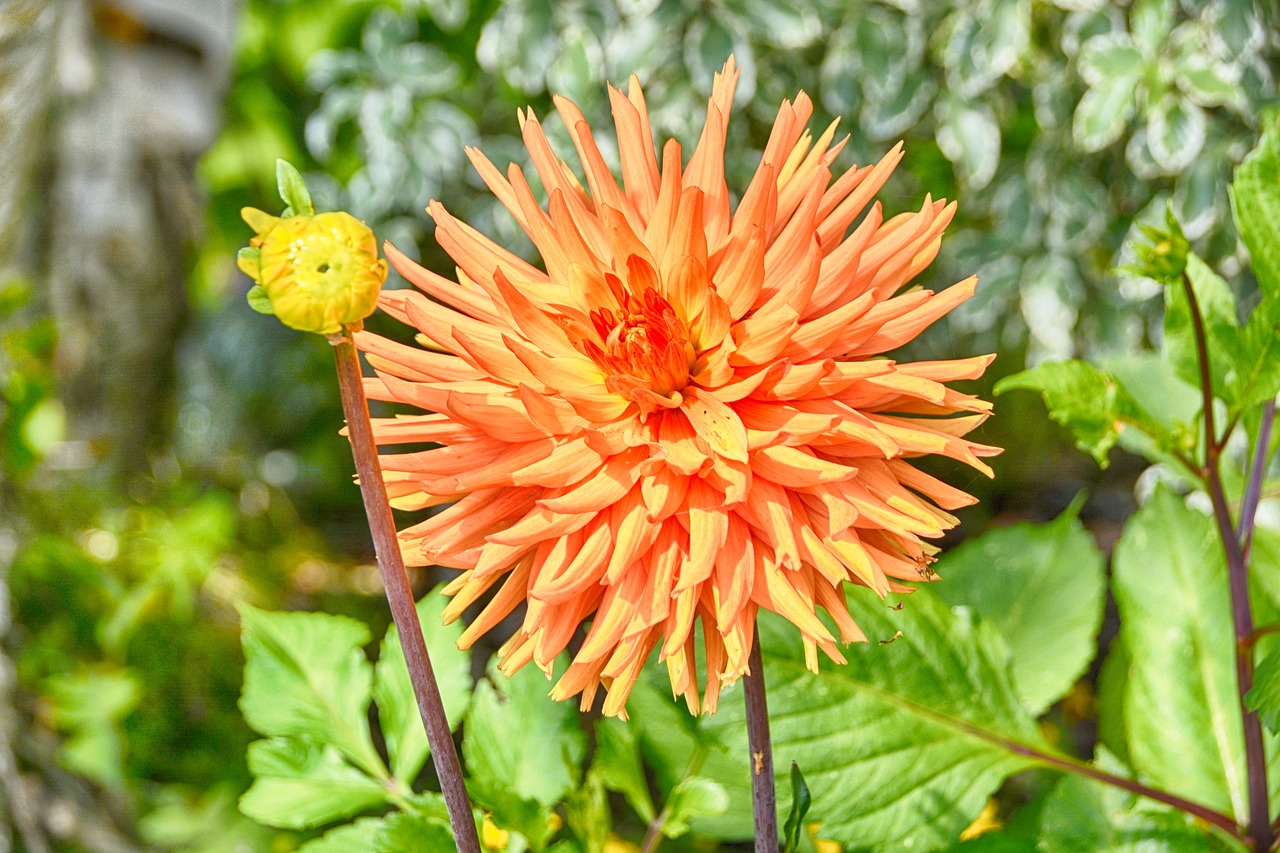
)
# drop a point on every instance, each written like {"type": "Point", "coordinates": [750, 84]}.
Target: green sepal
{"type": "Point", "coordinates": [293, 190]}
{"type": "Point", "coordinates": [258, 300]}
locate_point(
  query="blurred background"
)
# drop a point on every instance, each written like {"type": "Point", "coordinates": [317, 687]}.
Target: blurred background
{"type": "Point", "coordinates": [168, 453]}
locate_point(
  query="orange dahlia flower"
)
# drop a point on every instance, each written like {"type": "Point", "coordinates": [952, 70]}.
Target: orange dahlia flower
{"type": "Point", "coordinates": [686, 416]}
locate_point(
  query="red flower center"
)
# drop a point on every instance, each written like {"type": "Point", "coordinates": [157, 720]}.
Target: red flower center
{"type": "Point", "coordinates": [646, 351]}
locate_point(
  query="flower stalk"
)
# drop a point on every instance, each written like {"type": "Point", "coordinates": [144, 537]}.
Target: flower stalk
{"type": "Point", "coordinates": [1259, 823]}
{"type": "Point", "coordinates": [764, 799]}
{"type": "Point", "coordinates": [395, 580]}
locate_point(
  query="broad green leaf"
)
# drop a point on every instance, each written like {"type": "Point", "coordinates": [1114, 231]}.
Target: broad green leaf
{"type": "Point", "coordinates": [1157, 389]}
{"type": "Point", "coordinates": [306, 675]}
{"type": "Point", "coordinates": [1181, 713]}
{"type": "Point", "coordinates": [397, 706]}
{"type": "Point", "coordinates": [1082, 398]}
{"type": "Point", "coordinates": [1218, 310]}
{"type": "Point", "coordinates": [293, 190]}
{"type": "Point", "coordinates": [1255, 205]}
{"type": "Point", "coordinates": [1042, 586]}
{"type": "Point", "coordinates": [1101, 116]}
{"type": "Point", "coordinates": [1112, 679]}
{"type": "Point", "coordinates": [695, 796]}
{"type": "Point", "coordinates": [1083, 816]}
{"type": "Point", "coordinates": [1175, 133]}
{"type": "Point", "coordinates": [302, 784]}
{"type": "Point", "coordinates": [355, 837]}
{"type": "Point", "coordinates": [904, 744]}
{"type": "Point", "coordinates": [406, 831]}
{"type": "Point", "coordinates": [617, 760]}
{"type": "Point", "coordinates": [1255, 370]}
{"type": "Point", "coordinates": [800, 801]}
{"type": "Point", "coordinates": [523, 750]}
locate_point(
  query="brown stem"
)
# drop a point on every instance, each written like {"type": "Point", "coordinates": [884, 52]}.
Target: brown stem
{"type": "Point", "coordinates": [1070, 765]}
{"type": "Point", "coordinates": [764, 799]}
{"type": "Point", "coordinates": [399, 594]}
{"type": "Point", "coordinates": [653, 837]}
{"type": "Point", "coordinates": [1259, 829]}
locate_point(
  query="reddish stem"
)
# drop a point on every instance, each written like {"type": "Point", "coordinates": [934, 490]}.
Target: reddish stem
{"type": "Point", "coordinates": [395, 580]}
{"type": "Point", "coordinates": [1259, 827]}
{"type": "Point", "coordinates": [764, 798]}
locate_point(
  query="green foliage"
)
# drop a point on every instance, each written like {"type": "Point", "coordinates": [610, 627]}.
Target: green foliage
{"type": "Point", "coordinates": [1255, 203]}
{"type": "Point", "coordinates": [306, 677]}
{"type": "Point", "coordinates": [1087, 400]}
{"type": "Point", "coordinates": [800, 802]}
{"type": "Point", "coordinates": [307, 687]}
{"type": "Point", "coordinates": [1013, 578]}
{"type": "Point", "coordinates": [523, 751]}
{"type": "Point", "coordinates": [398, 713]}
{"type": "Point", "coordinates": [1081, 816]}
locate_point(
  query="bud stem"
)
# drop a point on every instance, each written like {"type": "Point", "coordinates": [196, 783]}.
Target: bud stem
{"type": "Point", "coordinates": [1259, 826]}
{"type": "Point", "coordinates": [395, 580]}
{"type": "Point", "coordinates": [764, 798]}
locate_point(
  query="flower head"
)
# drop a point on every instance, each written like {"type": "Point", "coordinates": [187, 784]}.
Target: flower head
{"type": "Point", "coordinates": [318, 272]}
{"type": "Point", "coordinates": [686, 416]}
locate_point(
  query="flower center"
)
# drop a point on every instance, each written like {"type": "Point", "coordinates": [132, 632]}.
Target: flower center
{"type": "Point", "coordinates": [646, 351]}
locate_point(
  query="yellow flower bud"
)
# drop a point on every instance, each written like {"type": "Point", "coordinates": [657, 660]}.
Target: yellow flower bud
{"type": "Point", "coordinates": [319, 272]}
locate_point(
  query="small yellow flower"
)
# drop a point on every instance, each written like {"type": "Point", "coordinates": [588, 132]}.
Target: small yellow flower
{"type": "Point", "coordinates": [319, 273]}
{"type": "Point", "coordinates": [492, 836]}
{"type": "Point", "coordinates": [615, 844]}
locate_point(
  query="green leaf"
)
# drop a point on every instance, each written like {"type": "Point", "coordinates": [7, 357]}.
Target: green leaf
{"type": "Point", "coordinates": [1255, 205]}
{"type": "Point", "coordinates": [302, 784]}
{"type": "Point", "coordinates": [1086, 400]}
{"type": "Point", "coordinates": [1255, 370]}
{"type": "Point", "coordinates": [904, 744]}
{"type": "Point", "coordinates": [1207, 81]}
{"type": "Point", "coordinates": [91, 706]}
{"type": "Point", "coordinates": [405, 831]}
{"type": "Point", "coordinates": [1150, 22]}
{"type": "Point", "coordinates": [306, 675]}
{"type": "Point", "coordinates": [1111, 59]}
{"type": "Point", "coordinates": [393, 692]}
{"type": "Point", "coordinates": [1264, 576]}
{"type": "Point", "coordinates": [800, 800]}
{"type": "Point", "coordinates": [1042, 586]}
{"type": "Point", "coordinates": [1083, 816]}
{"type": "Point", "coordinates": [293, 190]}
{"type": "Point", "coordinates": [695, 796]}
{"type": "Point", "coordinates": [1180, 706]}
{"type": "Point", "coordinates": [523, 750]}
{"type": "Point", "coordinates": [1222, 328]}
{"type": "Point", "coordinates": [1175, 133]}
{"type": "Point", "coordinates": [1265, 695]}
{"type": "Point", "coordinates": [1101, 116]}
{"type": "Point", "coordinates": [617, 760]}
{"type": "Point", "coordinates": [259, 301]}
{"type": "Point", "coordinates": [969, 137]}
{"type": "Point", "coordinates": [355, 837]}
{"type": "Point", "coordinates": [587, 812]}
